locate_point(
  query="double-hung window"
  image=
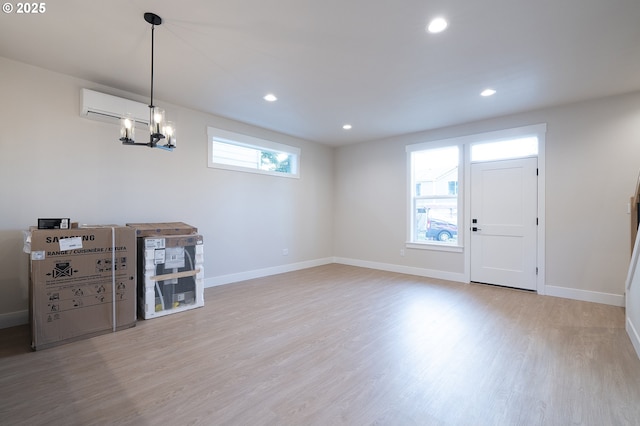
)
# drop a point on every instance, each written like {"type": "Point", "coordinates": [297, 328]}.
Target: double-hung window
{"type": "Point", "coordinates": [235, 151]}
{"type": "Point", "coordinates": [434, 197]}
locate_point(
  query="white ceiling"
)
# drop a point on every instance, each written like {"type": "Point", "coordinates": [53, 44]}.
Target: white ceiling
{"type": "Point", "coordinates": [364, 62]}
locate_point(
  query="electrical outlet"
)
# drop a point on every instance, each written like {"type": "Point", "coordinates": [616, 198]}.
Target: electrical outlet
{"type": "Point", "coordinates": [401, 252]}
{"type": "Point", "coordinates": [285, 252]}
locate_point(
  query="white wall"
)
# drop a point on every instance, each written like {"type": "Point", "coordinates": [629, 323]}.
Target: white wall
{"type": "Point", "coordinates": [592, 162]}
{"type": "Point", "coordinates": [350, 202]}
{"type": "Point", "coordinates": [53, 163]}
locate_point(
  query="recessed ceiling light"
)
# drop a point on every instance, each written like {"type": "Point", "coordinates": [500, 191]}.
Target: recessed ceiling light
{"type": "Point", "coordinates": [347, 127]}
{"type": "Point", "coordinates": [487, 92]}
{"type": "Point", "coordinates": [270, 97]}
{"type": "Point", "coordinates": [437, 25]}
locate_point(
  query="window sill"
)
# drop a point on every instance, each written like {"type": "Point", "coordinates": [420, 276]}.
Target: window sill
{"type": "Point", "coordinates": [435, 247]}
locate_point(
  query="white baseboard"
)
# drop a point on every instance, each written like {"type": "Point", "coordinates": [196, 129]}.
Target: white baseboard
{"type": "Point", "coordinates": [259, 273]}
{"type": "Point", "coordinates": [633, 335]}
{"type": "Point", "coordinates": [409, 270]}
{"type": "Point", "coordinates": [13, 319]}
{"type": "Point", "coordinates": [585, 295]}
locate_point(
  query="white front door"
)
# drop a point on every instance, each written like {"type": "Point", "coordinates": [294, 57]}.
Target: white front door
{"type": "Point", "coordinates": [503, 222]}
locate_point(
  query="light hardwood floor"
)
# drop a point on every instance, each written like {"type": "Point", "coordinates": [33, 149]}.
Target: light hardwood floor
{"type": "Point", "coordinates": [338, 345]}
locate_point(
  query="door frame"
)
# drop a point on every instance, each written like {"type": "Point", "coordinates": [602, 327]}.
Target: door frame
{"type": "Point", "coordinates": [538, 130]}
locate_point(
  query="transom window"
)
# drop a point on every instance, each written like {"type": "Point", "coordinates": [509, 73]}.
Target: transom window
{"type": "Point", "coordinates": [234, 151]}
{"type": "Point", "coordinates": [506, 149]}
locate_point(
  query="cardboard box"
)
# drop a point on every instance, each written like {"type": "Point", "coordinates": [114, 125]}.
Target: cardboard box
{"type": "Point", "coordinates": [82, 283]}
{"type": "Point", "coordinates": [170, 274]}
{"type": "Point", "coordinates": [164, 228]}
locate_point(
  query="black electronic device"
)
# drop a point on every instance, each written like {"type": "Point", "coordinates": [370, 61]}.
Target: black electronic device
{"type": "Point", "coordinates": [54, 223]}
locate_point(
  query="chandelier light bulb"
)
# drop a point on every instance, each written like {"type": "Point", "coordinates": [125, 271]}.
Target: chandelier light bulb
{"type": "Point", "coordinates": [170, 134]}
{"type": "Point", "coordinates": [127, 129]}
{"type": "Point", "coordinates": [157, 123]}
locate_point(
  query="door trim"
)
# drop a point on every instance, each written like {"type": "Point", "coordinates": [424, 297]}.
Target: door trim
{"type": "Point", "coordinates": [538, 130]}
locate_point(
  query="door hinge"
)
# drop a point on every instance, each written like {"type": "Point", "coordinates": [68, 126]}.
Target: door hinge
{"type": "Point", "coordinates": [537, 172]}
{"type": "Point", "coordinates": [537, 221]}
{"type": "Point", "coordinates": [536, 270]}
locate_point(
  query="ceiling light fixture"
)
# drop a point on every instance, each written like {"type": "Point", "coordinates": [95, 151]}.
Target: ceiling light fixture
{"type": "Point", "coordinates": [437, 25]}
{"type": "Point", "coordinates": [158, 128]}
{"type": "Point", "coordinates": [347, 127]}
{"type": "Point", "coordinates": [270, 97]}
{"type": "Point", "coordinates": [487, 92]}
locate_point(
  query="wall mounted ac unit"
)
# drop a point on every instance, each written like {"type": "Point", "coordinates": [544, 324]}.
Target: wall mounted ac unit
{"type": "Point", "coordinates": [103, 107]}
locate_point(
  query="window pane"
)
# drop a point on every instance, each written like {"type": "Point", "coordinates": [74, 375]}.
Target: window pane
{"type": "Point", "coordinates": [434, 178]}
{"type": "Point", "coordinates": [436, 220]}
{"type": "Point", "coordinates": [275, 161]}
{"type": "Point", "coordinates": [252, 158]}
{"type": "Point", "coordinates": [435, 171]}
{"type": "Point", "coordinates": [514, 148]}
{"type": "Point", "coordinates": [235, 155]}
{"type": "Point", "coordinates": [233, 151]}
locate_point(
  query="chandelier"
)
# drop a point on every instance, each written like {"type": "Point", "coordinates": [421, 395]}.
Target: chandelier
{"type": "Point", "coordinates": [159, 129]}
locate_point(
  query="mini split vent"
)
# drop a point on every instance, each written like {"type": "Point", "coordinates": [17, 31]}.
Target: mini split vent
{"type": "Point", "coordinates": [109, 108]}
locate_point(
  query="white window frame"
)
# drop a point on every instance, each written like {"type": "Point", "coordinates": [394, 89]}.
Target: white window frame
{"type": "Point", "coordinates": [238, 139]}
{"type": "Point", "coordinates": [434, 245]}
